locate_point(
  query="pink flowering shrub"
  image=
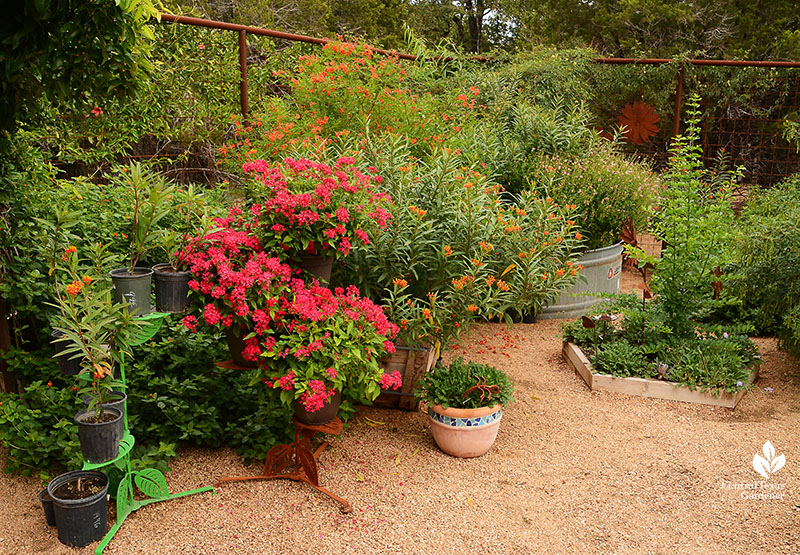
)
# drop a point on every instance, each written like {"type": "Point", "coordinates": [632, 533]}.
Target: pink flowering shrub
{"type": "Point", "coordinates": [309, 341]}
{"type": "Point", "coordinates": [328, 341]}
{"type": "Point", "coordinates": [313, 208]}
{"type": "Point", "coordinates": [235, 282]}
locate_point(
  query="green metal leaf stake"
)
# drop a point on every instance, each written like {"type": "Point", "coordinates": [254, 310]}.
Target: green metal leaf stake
{"type": "Point", "coordinates": [149, 481]}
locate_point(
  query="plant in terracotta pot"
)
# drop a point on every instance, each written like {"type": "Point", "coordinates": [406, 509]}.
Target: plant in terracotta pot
{"type": "Point", "coordinates": [465, 405]}
{"type": "Point", "coordinates": [307, 209]}
{"type": "Point", "coordinates": [149, 193]}
{"type": "Point", "coordinates": [323, 344]}
{"type": "Point", "coordinates": [97, 330]}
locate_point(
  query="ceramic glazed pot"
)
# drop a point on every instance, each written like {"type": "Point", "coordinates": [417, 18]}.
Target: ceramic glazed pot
{"type": "Point", "coordinates": [465, 433]}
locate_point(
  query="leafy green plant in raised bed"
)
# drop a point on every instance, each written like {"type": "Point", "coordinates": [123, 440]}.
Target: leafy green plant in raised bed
{"type": "Point", "coordinates": [668, 332]}
{"type": "Point", "coordinates": [622, 359]}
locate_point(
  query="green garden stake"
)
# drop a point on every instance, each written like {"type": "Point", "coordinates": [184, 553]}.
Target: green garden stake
{"type": "Point", "coordinates": [149, 481]}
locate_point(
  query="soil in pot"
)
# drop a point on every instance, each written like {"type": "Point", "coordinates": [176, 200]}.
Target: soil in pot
{"type": "Point", "coordinates": [79, 502]}
{"type": "Point", "coordinates": [116, 400]}
{"type": "Point", "coordinates": [172, 288]}
{"type": "Point", "coordinates": [99, 435]}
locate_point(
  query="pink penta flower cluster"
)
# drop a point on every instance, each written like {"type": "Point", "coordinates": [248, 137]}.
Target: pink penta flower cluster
{"type": "Point", "coordinates": [309, 341]}
{"type": "Point", "coordinates": [236, 282]}
{"type": "Point", "coordinates": [316, 396]}
{"type": "Point", "coordinates": [330, 338]}
{"type": "Point", "coordinates": [316, 208]}
{"type": "Point", "coordinates": [391, 381]}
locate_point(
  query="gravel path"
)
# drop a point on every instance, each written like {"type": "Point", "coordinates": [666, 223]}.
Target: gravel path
{"type": "Point", "coordinates": [572, 471]}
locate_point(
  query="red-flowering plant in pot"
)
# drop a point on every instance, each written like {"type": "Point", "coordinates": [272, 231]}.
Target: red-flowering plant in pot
{"type": "Point", "coordinates": [97, 331]}
{"type": "Point", "coordinates": [323, 344]}
{"type": "Point", "coordinates": [306, 208]}
{"type": "Point", "coordinates": [236, 285]}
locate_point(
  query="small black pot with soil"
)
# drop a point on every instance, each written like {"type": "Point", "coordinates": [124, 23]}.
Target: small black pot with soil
{"type": "Point", "coordinates": [172, 288]}
{"type": "Point", "coordinates": [116, 400]}
{"type": "Point", "coordinates": [99, 436]}
{"type": "Point", "coordinates": [79, 503]}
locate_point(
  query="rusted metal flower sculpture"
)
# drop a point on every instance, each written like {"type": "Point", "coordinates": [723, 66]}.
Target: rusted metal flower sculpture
{"type": "Point", "coordinates": [640, 121]}
{"type": "Point", "coordinates": [483, 388]}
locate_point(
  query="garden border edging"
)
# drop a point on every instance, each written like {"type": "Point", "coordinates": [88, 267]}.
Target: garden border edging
{"type": "Point", "coordinates": [646, 387]}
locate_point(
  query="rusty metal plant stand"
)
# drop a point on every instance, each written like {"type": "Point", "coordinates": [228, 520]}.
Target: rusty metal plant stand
{"type": "Point", "coordinates": [280, 457]}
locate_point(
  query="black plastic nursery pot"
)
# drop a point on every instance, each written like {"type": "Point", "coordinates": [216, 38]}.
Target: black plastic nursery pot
{"type": "Point", "coordinates": [47, 505]}
{"type": "Point", "coordinates": [133, 289]}
{"type": "Point", "coordinates": [99, 440]}
{"type": "Point", "coordinates": [118, 401]}
{"type": "Point", "coordinates": [324, 415]}
{"type": "Point", "coordinates": [172, 288]}
{"type": "Point", "coordinates": [68, 366]}
{"type": "Point", "coordinates": [318, 265]}
{"type": "Point", "coordinates": [80, 520]}
{"type": "Point", "coordinates": [236, 345]}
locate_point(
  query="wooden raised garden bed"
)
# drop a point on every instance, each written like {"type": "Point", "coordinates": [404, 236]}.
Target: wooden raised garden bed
{"type": "Point", "coordinates": [646, 387]}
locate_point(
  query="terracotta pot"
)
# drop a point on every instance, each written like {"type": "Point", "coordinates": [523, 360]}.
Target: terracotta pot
{"type": "Point", "coordinates": [465, 433]}
{"type": "Point", "coordinates": [324, 415]}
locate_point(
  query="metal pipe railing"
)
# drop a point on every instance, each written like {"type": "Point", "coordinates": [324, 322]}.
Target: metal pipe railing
{"type": "Point", "coordinates": [244, 29]}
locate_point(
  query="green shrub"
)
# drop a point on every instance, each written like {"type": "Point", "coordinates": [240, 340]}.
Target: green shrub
{"type": "Point", "coordinates": [765, 271]}
{"type": "Point", "coordinates": [607, 187]}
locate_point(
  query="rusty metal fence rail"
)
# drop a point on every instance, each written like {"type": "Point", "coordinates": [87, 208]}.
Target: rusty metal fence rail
{"type": "Point", "coordinates": [748, 137]}
{"type": "Point", "coordinates": [751, 140]}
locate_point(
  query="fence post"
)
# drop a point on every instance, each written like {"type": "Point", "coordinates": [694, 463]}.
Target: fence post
{"type": "Point", "coordinates": [676, 118]}
{"type": "Point", "coordinates": [243, 71]}
{"type": "Point", "coordinates": [8, 382]}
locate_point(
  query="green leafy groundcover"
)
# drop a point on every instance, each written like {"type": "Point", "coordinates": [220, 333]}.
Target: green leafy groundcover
{"type": "Point", "coordinates": [637, 343]}
{"type": "Point", "coordinates": [175, 394]}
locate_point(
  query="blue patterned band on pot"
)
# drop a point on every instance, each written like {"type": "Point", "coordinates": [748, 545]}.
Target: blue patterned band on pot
{"type": "Point", "coordinates": [465, 422]}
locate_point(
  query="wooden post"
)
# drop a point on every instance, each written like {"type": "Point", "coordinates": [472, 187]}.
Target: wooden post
{"type": "Point", "coordinates": [8, 383]}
